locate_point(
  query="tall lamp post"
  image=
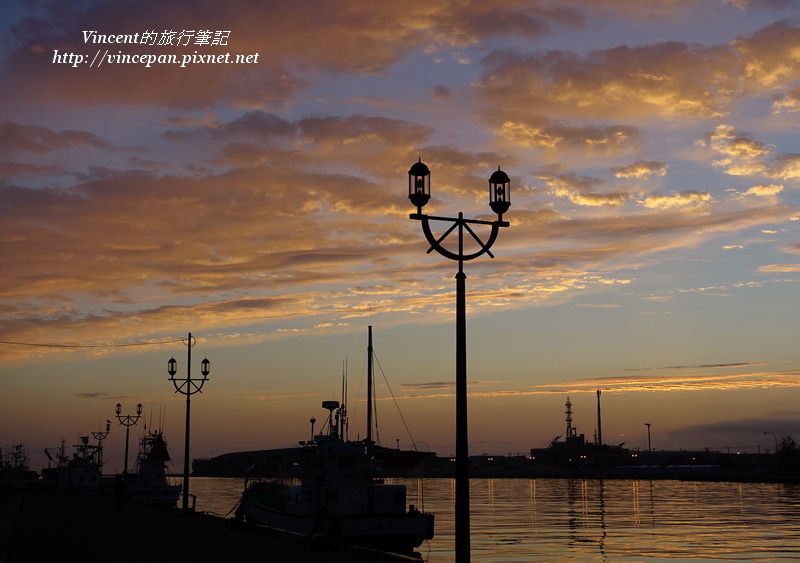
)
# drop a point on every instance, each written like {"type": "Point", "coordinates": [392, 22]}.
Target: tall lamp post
{"type": "Point", "coordinates": [188, 387]}
{"type": "Point", "coordinates": [649, 448]}
{"type": "Point", "coordinates": [419, 192]}
{"type": "Point", "coordinates": [100, 436]}
{"type": "Point", "coordinates": [127, 421]}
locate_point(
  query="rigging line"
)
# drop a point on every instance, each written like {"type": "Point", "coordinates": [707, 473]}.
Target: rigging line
{"type": "Point", "coordinates": [375, 412]}
{"type": "Point", "coordinates": [393, 398]}
{"type": "Point", "coordinates": [90, 345]}
{"type": "Point", "coordinates": [376, 426]}
{"type": "Point", "coordinates": [374, 400]}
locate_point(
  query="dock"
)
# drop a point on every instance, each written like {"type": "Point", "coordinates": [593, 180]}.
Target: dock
{"type": "Point", "coordinates": [45, 526]}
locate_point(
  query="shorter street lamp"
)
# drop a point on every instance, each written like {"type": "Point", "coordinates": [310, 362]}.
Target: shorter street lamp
{"type": "Point", "coordinates": [188, 387]}
{"type": "Point", "coordinates": [127, 421]}
{"type": "Point", "coordinates": [100, 436]}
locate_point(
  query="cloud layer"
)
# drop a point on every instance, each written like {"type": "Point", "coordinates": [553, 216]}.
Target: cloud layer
{"type": "Point", "coordinates": [270, 198]}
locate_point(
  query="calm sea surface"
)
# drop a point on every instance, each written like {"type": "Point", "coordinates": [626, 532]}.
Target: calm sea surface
{"type": "Point", "coordinates": [593, 520]}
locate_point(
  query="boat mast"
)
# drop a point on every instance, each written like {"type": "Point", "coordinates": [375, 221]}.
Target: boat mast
{"type": "Point", "coordinates": [369, 387]}
{"type": "Point", "coordinates": [343, 430]}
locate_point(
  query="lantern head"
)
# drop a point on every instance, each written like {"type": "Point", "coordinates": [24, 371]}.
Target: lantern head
{"type": "Point", "coordinates": [172, 366]}
{"type": "Point", "coordinates": [499, 192]}
{"type": "Point", "coordinates": [419, 185]}
{"type": "Point", "coordinates": [205, 367]}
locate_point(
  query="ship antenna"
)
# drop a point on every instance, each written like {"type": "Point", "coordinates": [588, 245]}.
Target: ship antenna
{"type": "Point", "coordinates": [568, 413]}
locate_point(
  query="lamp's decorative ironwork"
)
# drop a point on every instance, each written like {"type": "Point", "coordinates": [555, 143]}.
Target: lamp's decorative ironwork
{"type": "Point", "coordinates": [188, 387]}
{"type": "Point", "coordinates": [419, 193]}
{"type": "Point", "coordinates": [127, 421]}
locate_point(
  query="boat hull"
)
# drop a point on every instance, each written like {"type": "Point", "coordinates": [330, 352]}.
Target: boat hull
{"type": "Point", "coordinates": [398, 533]}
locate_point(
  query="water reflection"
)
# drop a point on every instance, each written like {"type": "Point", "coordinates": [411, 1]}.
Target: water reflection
{"type": "Point", "coordinates": [525, 520]}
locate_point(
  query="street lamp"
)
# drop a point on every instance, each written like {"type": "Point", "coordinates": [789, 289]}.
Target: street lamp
{"type": "Point", "coordinates": [127, 421]}
{"type": "Point", "coordinates": [188, 387]}
{"type": "Point", "coordinates": [419, 192]}
{"type": "Point", "coordinates": [100, 436]}
{"type": "Point", "coordinates": [649, 448]}
{"type": "Point", "coordinates": [776, 440]}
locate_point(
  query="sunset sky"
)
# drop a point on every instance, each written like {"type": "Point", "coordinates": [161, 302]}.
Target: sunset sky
{"type": "Point", "coordinates": [654, 155]}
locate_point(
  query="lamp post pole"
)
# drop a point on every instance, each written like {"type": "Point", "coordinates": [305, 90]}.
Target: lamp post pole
{"type": "Point", "coordinates": [127, 421]}
{"type": "Point", "coordinates": [188, 387]}
{"type": "Point", "coordinates": [499, 201]}
{"type": "Point", "coordinates": [649, 448]}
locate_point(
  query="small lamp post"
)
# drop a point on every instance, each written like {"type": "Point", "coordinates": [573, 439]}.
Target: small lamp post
{"type": "Point", "coordinates": [127, 421]}
{"type": "Point", "coordinates": [100, 436]}
{"type": "Point", "coordinates": [188, 387]}
{"type": "Point", "coordinates": [649, 447]}
{"type": "Point", "coordinates": [419, 192]}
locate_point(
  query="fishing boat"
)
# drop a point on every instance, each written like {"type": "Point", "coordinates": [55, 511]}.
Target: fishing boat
{"type": "Point", "coordinates": [81, 472]}
{"type": "Point", "coordinates": [14, 469]}
{"type": "Point", "coordinates": [149, 481]}
{"type": "Point", "coordinates": [339, 492]}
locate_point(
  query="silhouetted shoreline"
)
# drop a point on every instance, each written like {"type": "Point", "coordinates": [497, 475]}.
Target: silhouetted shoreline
{"type": "Point", "coordinates": [705, 465]}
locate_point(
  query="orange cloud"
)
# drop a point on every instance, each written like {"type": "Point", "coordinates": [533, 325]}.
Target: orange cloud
{"type": "Point", "coordinates": [602, 83]}
{"type": "Point", "coordinates": [548, 134]}
{"type": "Point", "coordinates": [232, 209]}
{"type": "Point", "coordinates": [744, 156]}
{"type": "Point", "coordinates": [779, 268]}
{"type": "Point", "coordinates": [765, 190]}
{"type": "Point", "coordinates": [582, 191]}
{"type": "Point", "coordinates": [632, 384]}
{"type": "Point", "coordinates": [641, 169]}
{"type": "Point", "coordinates": [682, 199]}
{"type": "Point", "coordinates": [668, 79]}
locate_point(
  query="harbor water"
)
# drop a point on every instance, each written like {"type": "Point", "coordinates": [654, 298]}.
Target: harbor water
{"type": "Point", "coordinates": [594, 520]}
